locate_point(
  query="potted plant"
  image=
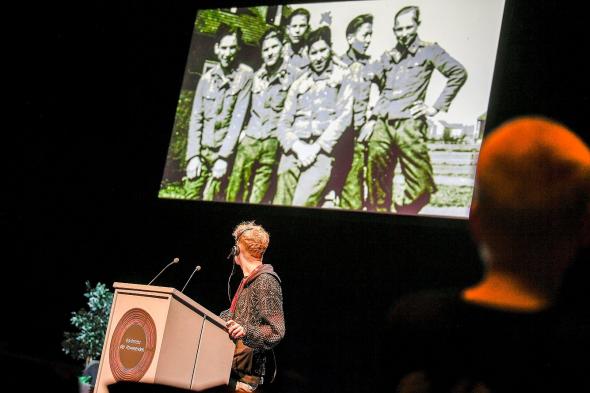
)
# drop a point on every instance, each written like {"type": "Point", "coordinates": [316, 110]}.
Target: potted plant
{"type": "Point", "coordinates": [91, 324]}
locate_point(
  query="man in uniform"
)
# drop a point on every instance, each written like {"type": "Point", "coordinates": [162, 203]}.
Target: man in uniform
{"type": "Point", "coordinates": [256, 158]}
{"type": "Point", "coordinates": [358, 34]}
{"type": "Point", "coordinates": [317, 110]}
{"type": "Point", "coordinates": [219, 107]}
{"type": "Point", "coordinates": [296, 49]}
{"type": "Point", "coordinates": [401, 113]}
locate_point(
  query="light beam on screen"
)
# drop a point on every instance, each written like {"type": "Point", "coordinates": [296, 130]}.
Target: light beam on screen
{"type": "Point", "coordinates": [363, 106]}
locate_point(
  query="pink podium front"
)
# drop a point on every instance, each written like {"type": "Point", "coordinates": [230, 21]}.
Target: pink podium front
{"type": "Point", "coordinates": [159, 335]}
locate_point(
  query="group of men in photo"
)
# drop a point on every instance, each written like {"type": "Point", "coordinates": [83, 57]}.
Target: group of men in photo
{"type": "Point", "coordinates": [279, 126]}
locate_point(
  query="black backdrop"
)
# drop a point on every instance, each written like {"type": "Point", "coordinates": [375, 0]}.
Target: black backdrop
{"type": "Point", "coordinates": [98, 84]}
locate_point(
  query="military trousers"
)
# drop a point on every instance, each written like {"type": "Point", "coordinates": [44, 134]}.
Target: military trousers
{"type": "Point", "coordinates": [205, 186]}
{"type": "Point", "coordinates": [297, 186]}
{"type": "Point", "coordinates": [352, 195]}
{"type": "Point", "coordinates": [402, 140]}
{"type": "Point", "coordinates": [253, 169]}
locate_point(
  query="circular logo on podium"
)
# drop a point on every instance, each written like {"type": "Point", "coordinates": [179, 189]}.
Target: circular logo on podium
{"type": "Point", "coordinates": [132, 345]}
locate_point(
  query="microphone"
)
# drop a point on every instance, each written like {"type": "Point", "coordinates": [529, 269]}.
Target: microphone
{"type": "Point", "coordinates": [194, 271]}
{"type": "Point", "coordinates": [175, 260]}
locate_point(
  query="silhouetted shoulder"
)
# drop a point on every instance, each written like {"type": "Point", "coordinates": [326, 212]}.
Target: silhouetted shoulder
{"type": "Point", "coordinates": [426, 306]}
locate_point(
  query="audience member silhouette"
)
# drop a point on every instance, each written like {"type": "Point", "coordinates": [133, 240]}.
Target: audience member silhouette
{"type": "Point", "coordinates": [508, 333]}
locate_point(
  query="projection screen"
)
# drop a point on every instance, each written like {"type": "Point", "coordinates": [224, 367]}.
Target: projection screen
{"type": "Point", "coordinates": [371, 106]}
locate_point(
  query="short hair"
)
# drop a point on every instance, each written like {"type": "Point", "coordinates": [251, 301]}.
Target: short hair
{"type": "Point", "coordinates": [272, 32]}
{"type": "Point", "coordinates": [411, 8]}
{"type": "Point", "coordinates": [253, 237]}
{"type": "Point", "coordinates": [225, 30]}
{"type": "Point", "coordinates": [299, 11]}
{"type": "Point", "coordinates": [321, 33]}
{"type": "Point", "coordinates": [533, 180]}
{"type": "Point", "coordinates": [357, 22]}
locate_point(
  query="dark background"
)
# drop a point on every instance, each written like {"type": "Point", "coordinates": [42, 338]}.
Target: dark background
{"type": "Point", "coordinates": [98, 84]}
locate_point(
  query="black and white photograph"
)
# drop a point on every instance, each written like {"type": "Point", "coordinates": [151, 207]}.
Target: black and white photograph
{"type": "Point", "coordinates": [369, 106]}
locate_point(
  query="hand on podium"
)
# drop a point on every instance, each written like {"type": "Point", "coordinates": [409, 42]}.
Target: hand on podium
{"type": "Point", "coordinates": [235, 330]}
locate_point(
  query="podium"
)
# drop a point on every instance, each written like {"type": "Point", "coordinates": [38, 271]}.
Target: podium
{"type": "Point", "coordinates": [159, 335]}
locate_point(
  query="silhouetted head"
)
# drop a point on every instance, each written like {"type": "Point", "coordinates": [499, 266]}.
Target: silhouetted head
{"type": "Point", "coordinates": [532, 194]}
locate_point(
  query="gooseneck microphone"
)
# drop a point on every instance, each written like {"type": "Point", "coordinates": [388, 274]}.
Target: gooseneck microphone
{"type": "Point", "coordinates": [192, 274]}
{"type": "Point", "coordinates": [175, 260]}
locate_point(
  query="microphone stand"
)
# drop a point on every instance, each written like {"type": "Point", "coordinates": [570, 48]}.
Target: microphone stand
{"type": "Point", "coordinates": [191, 276]}
{"type": "Point", "coordinates": [175, 260]}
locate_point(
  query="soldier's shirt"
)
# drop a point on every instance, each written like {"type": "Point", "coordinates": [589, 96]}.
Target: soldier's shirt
{"type": "Point", "coordinates": [268, 99]}
{"type": "Point", "coordinates": [317, 108]}
{"type": "Point", "coordinates": [297, 58]}
{"type": "Point", "coordinates": [405, 76]}
{"type": "Point", "coordinates": [363, 73]}
{"type": "Point", "coordinates": [219, 109]}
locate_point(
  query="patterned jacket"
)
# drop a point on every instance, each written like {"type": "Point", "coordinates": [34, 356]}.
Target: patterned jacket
{"type": "Point", "coordinates": [259, 310]}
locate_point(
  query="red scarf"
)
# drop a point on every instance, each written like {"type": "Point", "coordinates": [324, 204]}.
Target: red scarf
{"type": "Point", "coordinates": [245, 280]}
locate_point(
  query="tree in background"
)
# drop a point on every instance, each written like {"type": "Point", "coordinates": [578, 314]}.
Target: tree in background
{"type": "Point", "coordinates": [91, 324]}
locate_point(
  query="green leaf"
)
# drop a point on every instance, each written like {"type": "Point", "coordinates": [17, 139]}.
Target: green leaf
{"type": "Point", "coordinates": [87, 340]}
